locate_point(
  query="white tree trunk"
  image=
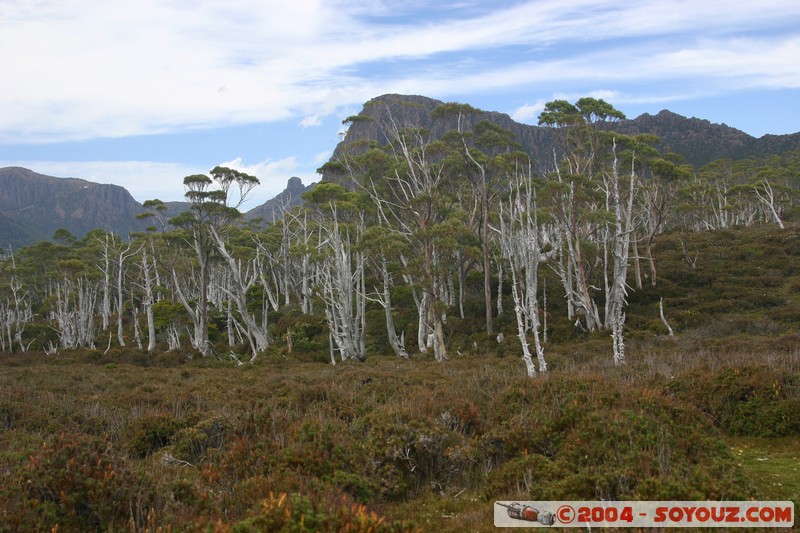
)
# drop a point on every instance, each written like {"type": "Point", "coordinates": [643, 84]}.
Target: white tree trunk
{"type": "Point", "coordinates": [147, 300]}
{"type": "Point", "coordinates": [123, 255]}
{"type": "Point", "coordinates": [521, 247]}
{"type": "Point", "coordinates": [241, 281]}
{"type": "Point", "coordinates": [343, 291]}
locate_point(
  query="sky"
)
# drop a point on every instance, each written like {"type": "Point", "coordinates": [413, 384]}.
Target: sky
{"type": "Point", "coordinates": [142, 94]}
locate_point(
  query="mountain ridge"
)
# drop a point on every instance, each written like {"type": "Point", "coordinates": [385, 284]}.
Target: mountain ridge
{"type": "Point", "coordinates": [699, 141]}
{"type": "Point", "coordinates": [33, 205]}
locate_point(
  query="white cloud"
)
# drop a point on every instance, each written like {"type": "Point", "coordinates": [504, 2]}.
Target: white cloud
{"type": "Point", "coordinates": [529, 112]}
{"type": "Point", "coordinates": [80, 69]}
{"type": "Point", "coordinates": [322, 157]}
{"type": "Point", "coordinates": [311, 121]}
{"type": "Point", "coordinates": [273, 176]}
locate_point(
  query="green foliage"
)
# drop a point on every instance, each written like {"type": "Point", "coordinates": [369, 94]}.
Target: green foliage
{"type": "Point", "coordinates": [151, 433]}
{"type": "Point", "coordinates": [352, 119]}
{"type": "Point", "coordinates": [78, 483]}
{"type": "Point", "coordinates": [753, 401]}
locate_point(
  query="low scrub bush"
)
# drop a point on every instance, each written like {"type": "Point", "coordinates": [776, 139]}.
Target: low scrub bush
{"type": "Point", "coordinates": [283, 513]}
{"type": "Point", "coordinates": [753, 401]}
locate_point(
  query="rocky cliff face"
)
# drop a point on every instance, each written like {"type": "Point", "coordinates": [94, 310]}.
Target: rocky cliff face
{"type": "Point", "coordinates": [699, 141]}
{"type": "Point", "coordinates": [406, 110]}
{"type": "Point", "coordinates": [33, 206]}
{"type": "Point", "coordinates": [289, 198]}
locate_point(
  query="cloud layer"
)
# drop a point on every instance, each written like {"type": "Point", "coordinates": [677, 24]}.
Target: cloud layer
{"type": "Point", "coordinates": [76, 69]}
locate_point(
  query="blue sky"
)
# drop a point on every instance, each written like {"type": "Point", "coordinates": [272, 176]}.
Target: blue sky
{"type": "Point", "coordinates": [144, 93]}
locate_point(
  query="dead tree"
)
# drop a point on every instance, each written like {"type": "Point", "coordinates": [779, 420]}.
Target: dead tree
{"type": "Point", "coordinates": [74, 313]}
{"type": "Point", "coordinates": [520, 236]}
{"type": "Point", "coordinates": [148, 299]}
{"type": "Point", "coordinates": [621, 235]}
{"type": "Point", "coordinates": [342, 288]}
{"type": "Point", "coordinates": [107, 245]}
{"type": "Point", "coordinates": [242, 278]}
{"type": "Point", "coordinates": [123, 255]}
{"type": "Point", "coordinates": [411, 203]}
{"type": "Point", "coordinates": [384, 298]}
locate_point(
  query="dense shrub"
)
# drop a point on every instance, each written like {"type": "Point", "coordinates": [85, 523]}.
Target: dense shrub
{"type": "Point", "coordinates": [151, 433]}
{"type": "Point", "coordinates": [283, 513]}
{"type": "Point", "coordinates": [747, 400]}
{"type": "Point", "coordinates": [192, 444]}
{"type": "Point", "coordinates": [78, 483]}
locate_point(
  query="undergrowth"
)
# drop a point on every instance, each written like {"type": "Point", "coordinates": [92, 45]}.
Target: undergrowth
{"type": "Point", "coordinates": [127, 441]}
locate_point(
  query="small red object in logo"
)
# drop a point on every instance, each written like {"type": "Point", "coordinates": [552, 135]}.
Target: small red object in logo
{"type": "Point", "coordinates": [565, 514]}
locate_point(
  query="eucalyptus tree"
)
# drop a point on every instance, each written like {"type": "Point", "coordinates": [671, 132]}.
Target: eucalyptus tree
{"type": "Point", "coordinates": [577, 197]}
{"type": "Point", "coordinates": [213, 208]}
{"type": "Point", "coordinates": [656, 202]}
{"type": "Point", "coordinates": [594, 205]}
{"type": "Point", "coordinates": [475, 150]}
{"type": "Point", "coordinates": [16, 312]}
{"type": "Point", "coordinates": [147, 269]}
{"type": "Point", "coordinates": [107, 244]}
{"type": "Point", "coordinates": [123, 254]}
{"type": "Point", "coordinates": [621, 232]}
{"type": "Point", "coordinates": [340, 263]}
{"type": "Point", "coordinates": [414, 198]}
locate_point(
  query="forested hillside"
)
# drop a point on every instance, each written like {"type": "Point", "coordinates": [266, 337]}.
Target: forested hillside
{"type": "Point", "coordinates": [602, 315]}
{"type": "Point", "coordinates": [34, 206]}
{"type": "Point", "coordinates": [404, 222]}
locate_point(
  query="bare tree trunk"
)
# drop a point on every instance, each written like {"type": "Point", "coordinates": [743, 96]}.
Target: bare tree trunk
{"type": "Point", "coordinates": [462, 279]}
{"type": "Point", "coordinates": [766, 194]}
{"type": "Point", "coordinates": [663, 319]}
{"type": "Point", "coordinates": [199, 337]}
{"type": "Point", "coordinates": [147, 299]}
{"type": "Point", "coordinates": [519, 235]}
{"type": "Point", "coordinates": [344, 293]}
{"type": "Point", "coordinates": [487, 265]}
{"type": "Point", "coordinates": [241, 281]}
{"type": "Point", "coordinates": [622, 237]}
{"type": "Point", "coordinates": [652, 262]}
{"type": "Point", "coordinates": [105, 268]}
{"type": "Point", "coordinates": [637, 267]}
{"type": "Point", "coordinates": [499, 288]}
{"type": "Point", "coordinates": [137, 334]}
{"type": "Point", "coordinates": [74, 313]}
{"type": "Point", "coordinates": [123, 255]}
{"type": "Point", "coordinates": [396, 343]}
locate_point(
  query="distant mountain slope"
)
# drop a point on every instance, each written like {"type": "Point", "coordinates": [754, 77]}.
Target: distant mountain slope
{"type": "Point", "coordinates": [289, 198]}
{"type": "Point", "coordinates": [699, 141]}
{"type": "Point", "coordinates": [416, 110]}
{"type": "Point", "coordinates": [33, 206]}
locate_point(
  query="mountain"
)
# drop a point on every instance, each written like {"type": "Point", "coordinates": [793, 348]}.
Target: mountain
{"type": "Point", "coordinates": [416, 110]}
{"type": "Point", "coordinates": [289, 198]}
{"type": "Point", "coordinates": [699, 141]}
{"type": "Point", "coordinates": [33, 206]}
